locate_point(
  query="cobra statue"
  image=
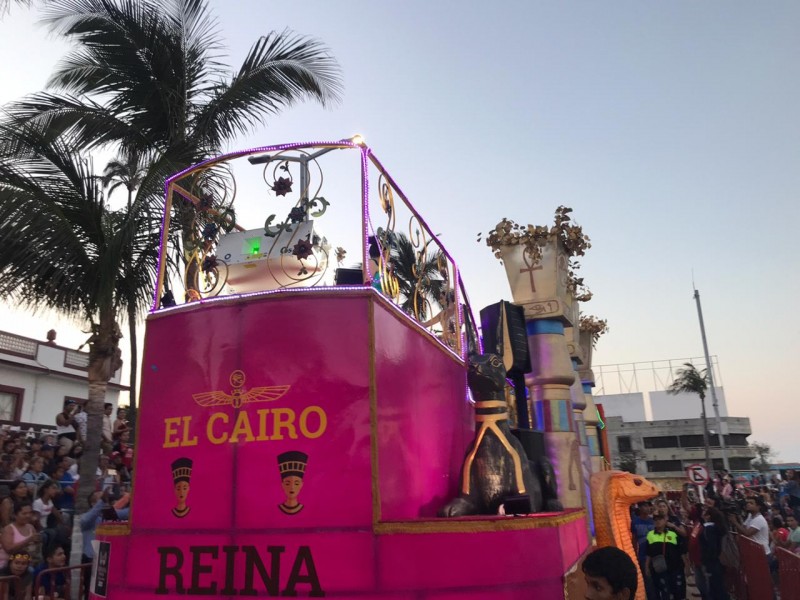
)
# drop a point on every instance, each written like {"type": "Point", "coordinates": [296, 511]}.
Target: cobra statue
{"type": "Point", "coordinates": [613, 493]}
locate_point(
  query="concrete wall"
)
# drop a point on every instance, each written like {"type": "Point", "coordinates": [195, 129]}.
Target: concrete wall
{"type": "Point", "coordinates": [628, 406]}
{"type": "Point", "coordinates": [684, 406]}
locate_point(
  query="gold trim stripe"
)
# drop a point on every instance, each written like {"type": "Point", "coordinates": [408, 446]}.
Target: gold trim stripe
{"type": "Point", "coordinates": [491, 404]}
{"type": "Point", "coordinates": [479, 524]}
{"type": "Point", "coordinates": [113, 529]}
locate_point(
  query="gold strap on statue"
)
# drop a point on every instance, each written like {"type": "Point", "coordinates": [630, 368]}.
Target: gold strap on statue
{"type": "Point", "coordinates": [490, 422]}
{"type": "Point", "coordinates": [491, 418]}
{"type": "Point", "coordinates": [491, 404]}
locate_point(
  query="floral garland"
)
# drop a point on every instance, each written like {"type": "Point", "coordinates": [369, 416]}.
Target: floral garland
{"type": "Point", "coordinates": [593, 325]}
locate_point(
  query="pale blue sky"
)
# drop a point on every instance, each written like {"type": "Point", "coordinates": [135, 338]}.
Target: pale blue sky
{"type": "Point", "coordinates": [672, 129]}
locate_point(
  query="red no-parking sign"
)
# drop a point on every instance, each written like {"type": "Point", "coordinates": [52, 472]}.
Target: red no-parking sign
{"type": "Point", "coordinates": [697, 474]}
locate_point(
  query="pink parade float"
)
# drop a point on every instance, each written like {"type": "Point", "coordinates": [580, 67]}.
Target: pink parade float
{"type": "Point", "coordinates": [304, 425]}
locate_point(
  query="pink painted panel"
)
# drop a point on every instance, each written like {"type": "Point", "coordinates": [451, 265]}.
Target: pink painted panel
{"type": "Point", "coordinates": [298, 367]}
{"type": "Point", "coordinates": [467, 560]}
{"type": "Point", "coordinates": [321, 349]}
{"type": "Point", "coordinates": [543, 590]}
{"type": "Point", "coordinates": [149, 553]}
{"type": "Point", "coordinates": [424, 420]}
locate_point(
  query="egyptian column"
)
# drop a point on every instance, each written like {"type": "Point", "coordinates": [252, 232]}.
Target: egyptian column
{"type": "Point", "coordinates": [539, 285]}
{"type": "Point", "coordinates": [579, 402]}
{"type": "Point", "coordinates": [586, 376]}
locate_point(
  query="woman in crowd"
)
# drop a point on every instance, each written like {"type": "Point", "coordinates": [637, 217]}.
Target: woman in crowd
{"type": "Point", "coordinates": [121, 423]}
{"type": "Point", "coordinates": [18, 492]}
{"type": "Point", "coordinates": [18, 566]}
{"type": "Point", "coordinates": [43, 506]}
{"type": "Point", "coordinates": [20, 535]}
{"type": "Point", "coordinates": [714, 529]}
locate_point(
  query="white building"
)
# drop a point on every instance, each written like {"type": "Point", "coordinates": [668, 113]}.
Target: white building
{"type": "Point", "coordinates": [659, 434]}
{"type": "Point", "coordinates": [37, 376]}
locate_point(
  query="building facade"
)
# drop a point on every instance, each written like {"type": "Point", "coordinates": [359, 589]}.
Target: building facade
{"type": "Point", "coordinates": [661, 450]}
{"type": "Point", "coordinates": [657, 434]}
{"type": "Point", "coordinates": [36, 377]}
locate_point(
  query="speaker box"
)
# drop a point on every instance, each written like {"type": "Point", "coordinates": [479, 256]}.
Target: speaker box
{"type": "Point", "coordinates": [532, 441]}
{"type": "Point", "coordinates": [504, 333]}
{"type": "Point", "coordinates": [348, 277]}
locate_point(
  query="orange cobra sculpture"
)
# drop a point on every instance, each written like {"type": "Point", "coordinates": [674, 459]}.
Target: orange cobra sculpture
{"type": "Point", "coordinates": [613, 492]}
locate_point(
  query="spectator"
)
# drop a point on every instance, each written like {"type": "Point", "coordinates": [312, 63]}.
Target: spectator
{"type": "Point", "coordinates": [664, 563]}
{"type": "Point", "coordinates": [43, 506]}
{"type": "Point", "coordinates": [81, 422]}
{"type": "Point", "coordinates": [18, 493]}
{"type": "Point", "coordinates": [6, 468]}
{"type": "Point", "coordinates": [20, 535]}
{"type": "Point", "coordinates": [66, 427]}
{"type": "Point", "coordinates": [121, 423]}
{"type": "Point", "coordinates": [19, 463]}
{"type": "Point", "coordinates": [65, 501]}
{"type": "Point", "coordinates": [107, 476]}
{"type": "Point", "coordinates": [19, 566]}
{"type": "Point", "coordinates": [610, 575]}
{"type": "Point", "coordinates": [34, 477]}
{"type": "Point", "coordinates": [755, 526]}
{"type": "Point", "coordinates": [53, 585]}
{"type": "Point", "coordinates": [714, 530]}
{"type": "Point", "coordinates": [695, 555]}
{"type": "Point", "coordinates": [125, 449]}
{"type": "Point", "coordinates": [92, 518]}
{"type": "Point", "coordinates": [641, 525]}
{"type": "Point", "coordinates": [108, 428]}
{"type": "Point", "coordinates": [792, 542]}
{"type": "Point", "coordinates": [48, 453]}
{"type": "Point", "coordinates": [792, 491]}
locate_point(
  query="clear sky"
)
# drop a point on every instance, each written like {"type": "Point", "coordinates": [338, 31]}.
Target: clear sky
{"type": "Point", "coordinates": [671, 128]}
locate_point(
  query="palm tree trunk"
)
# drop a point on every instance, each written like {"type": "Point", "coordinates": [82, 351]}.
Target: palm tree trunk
{"type": "Point", "coordinates": [134, 357]}
{"type": "Point", "coordinates": [104, 360]}
{"type": "Point", "coordinates": [709, 465]}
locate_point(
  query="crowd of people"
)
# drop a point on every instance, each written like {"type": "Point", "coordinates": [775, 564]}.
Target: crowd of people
{"type": "Point", "coordinates": [688, 540]}
{"type": "Point", "coordinates": [38, 485]}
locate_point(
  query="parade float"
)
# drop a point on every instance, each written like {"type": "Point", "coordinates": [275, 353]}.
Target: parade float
{"type": "Point", "coordinates": [318, 414]}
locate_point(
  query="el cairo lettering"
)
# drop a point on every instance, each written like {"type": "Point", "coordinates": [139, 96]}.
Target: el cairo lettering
{"type": "Point", "coordinates": [265, 425]}
{"type": "Point", "coordinates": [172, 578]}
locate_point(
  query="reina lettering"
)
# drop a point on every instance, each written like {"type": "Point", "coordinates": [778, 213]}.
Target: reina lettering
{"type": "Point", "coordinates": [192, 576]}
{"type": "Point", "coordinates": [265, 425]}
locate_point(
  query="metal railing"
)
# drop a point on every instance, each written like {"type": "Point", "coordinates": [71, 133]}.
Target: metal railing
{"type": "Point", "coordinates": [69, 588]}
{"type": "Point", "coordinates": [7, 583]}
{"type": "Point", "coordinates": [788, 574]}
{"type": "Point", "coordinates": [752, 580]}
{"type": "Point", "coordinates": [17, 344]}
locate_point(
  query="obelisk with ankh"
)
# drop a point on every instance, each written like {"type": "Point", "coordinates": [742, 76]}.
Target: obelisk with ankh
{"type": "Point", "coordinates": [537, 264]}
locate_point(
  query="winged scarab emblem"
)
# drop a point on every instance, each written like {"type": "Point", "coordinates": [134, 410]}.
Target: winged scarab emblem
{"type": "Point", "coordinates": [239, 395]}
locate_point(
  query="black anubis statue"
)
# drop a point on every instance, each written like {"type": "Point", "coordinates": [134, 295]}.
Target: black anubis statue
{"type": "Point", "coordinates": [496, 469]}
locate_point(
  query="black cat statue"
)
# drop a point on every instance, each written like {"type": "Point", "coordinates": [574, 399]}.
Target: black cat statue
{"type": "Point", "coordinates": [496, 469]}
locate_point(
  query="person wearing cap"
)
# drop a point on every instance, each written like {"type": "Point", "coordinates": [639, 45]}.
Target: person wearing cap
{"type": "Point", "coordinates": [181, 477]}
{"type": "Point", "coordinates": [292, 467]}
{"type": "Point", "coordinates": [664, 563]}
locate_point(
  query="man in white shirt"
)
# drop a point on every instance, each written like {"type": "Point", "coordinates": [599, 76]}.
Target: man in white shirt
{"type": "Point", "coordinates": [755, 525]}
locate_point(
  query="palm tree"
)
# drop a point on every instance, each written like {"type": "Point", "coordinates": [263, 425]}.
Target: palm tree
{"type": "Point", "coordinates": [145, 77]}
{"type": "Point", "coordinates": [419, 278]}
{"type": "Point", "coordinates": [64, 248]}
{"type": "Point", "coordinates": [692, 381]}
{"type": "Point", "coordinates": [129, 170]}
